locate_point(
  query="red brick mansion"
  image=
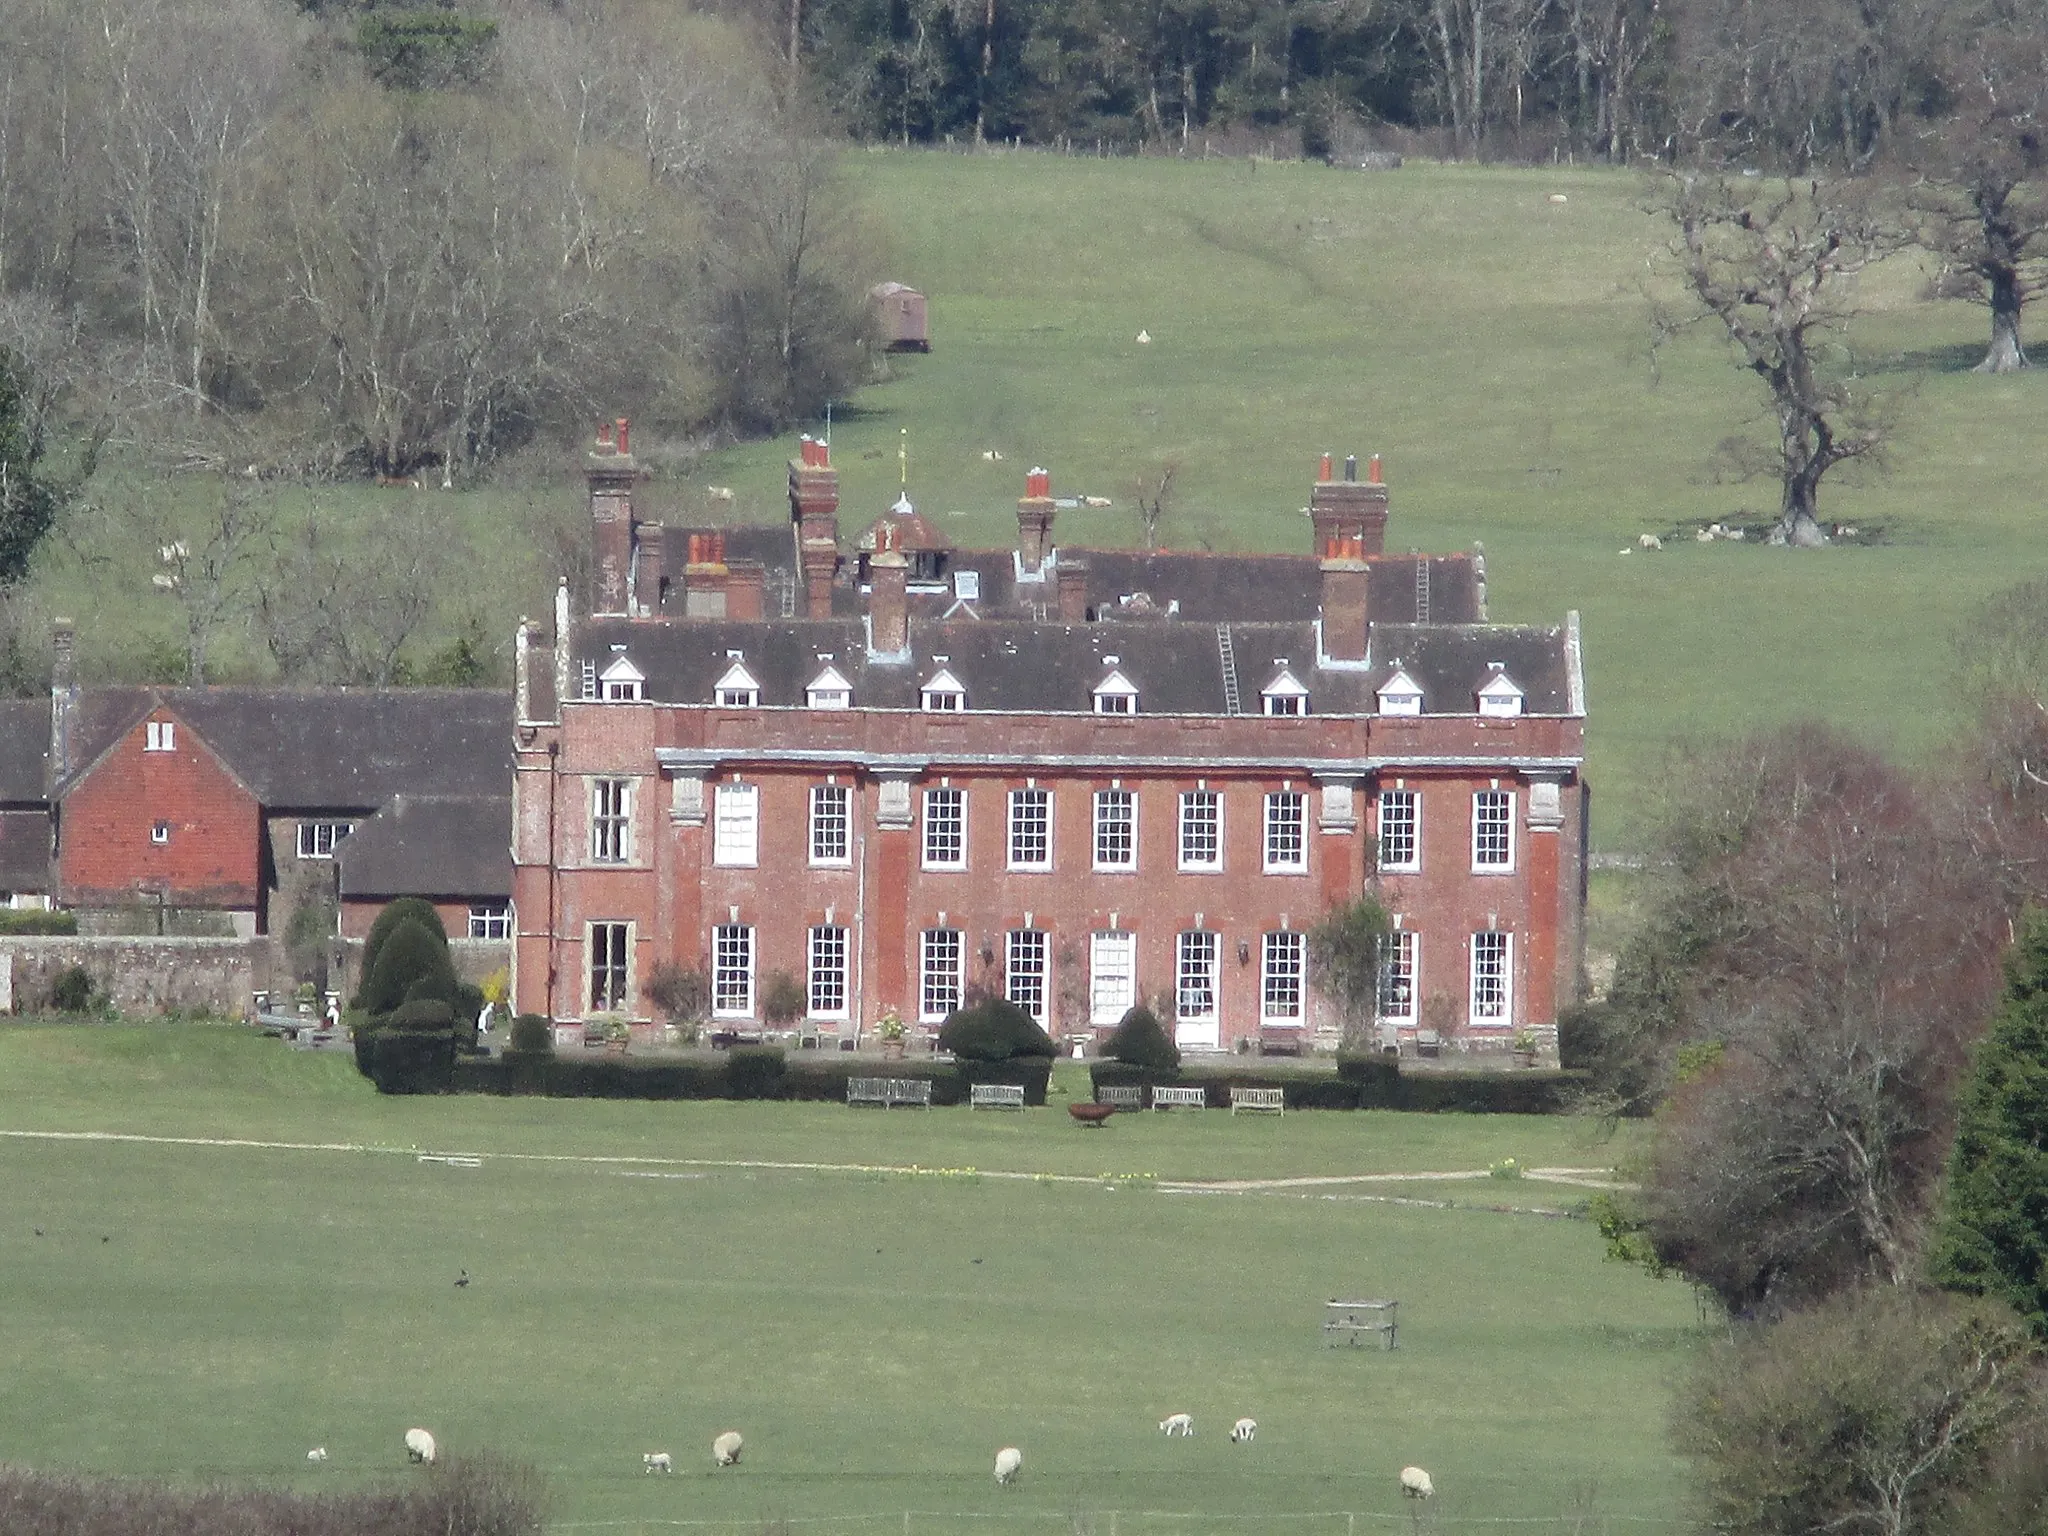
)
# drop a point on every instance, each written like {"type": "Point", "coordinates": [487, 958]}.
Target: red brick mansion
{"type": "Point", "coordinates": [895, 773]}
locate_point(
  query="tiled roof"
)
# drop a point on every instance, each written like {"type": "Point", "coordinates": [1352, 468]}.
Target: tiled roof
{"type": "Point", "coordinates": [428, 845]}
{"type": "Point", "coordinates": [24, 851]}
{"type": "Point", "coordinates": [336, 748]}
{"type": "Point", "coordinates": [1035, 668]}
{"type": "Point", "coordinates": [24, 738]}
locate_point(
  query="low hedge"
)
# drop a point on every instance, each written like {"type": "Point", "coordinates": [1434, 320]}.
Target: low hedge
{"type": "Point", "coordinates": [746, 1072]}
{"type": "Point", "coordinates": [413, 1061]}
{"type": "Point", "coordinates": [29, 922]}
{"type": "Point", "coordinates": [1368, 1083]}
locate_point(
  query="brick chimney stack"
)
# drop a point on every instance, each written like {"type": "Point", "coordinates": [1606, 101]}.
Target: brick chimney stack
{"type": "Point", "coordinates": [1348, 508]}
{"type": "Point", "coordinates": [814, 510]}
{"type": "Point", "coordinates": [63, 698]}
{"type": "Point", "coordinates": [1346, 615]}
{"type": "Point", "coordinates": [1072, 576]}
{"type": "Point", "coordinates": [610, 470]}
{"type": "Point", "coordinates": [1034, 523]}
{"type": "Point", "coordinates": [888, 603]}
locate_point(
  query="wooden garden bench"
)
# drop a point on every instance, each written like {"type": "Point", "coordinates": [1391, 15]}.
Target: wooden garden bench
{"type": "Point", "coordinates": [1122, 1095]}
{"type": "Point", "coordinates": [1180, 1098]}
{"type": "Point", "coordinates": [1279, 1042]}
{"type": "Point", "coordinates": [996, 1096]}
{"type": "Point", "coordinates": [890, 1091]}
{"type": "Point", "coordinates": [1259, 1099]}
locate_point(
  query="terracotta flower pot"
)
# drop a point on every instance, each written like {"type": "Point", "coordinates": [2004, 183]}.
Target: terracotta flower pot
{"type": "Point", "coordinates": [1091, 1114]}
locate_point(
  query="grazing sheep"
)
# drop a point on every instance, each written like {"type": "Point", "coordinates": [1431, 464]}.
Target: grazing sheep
{"type": "Point", "coordinates": [1415, 1483]}
{"type": "Point", "coordinates": [1704, 536]}
{"type": "Point", "coordinates": [318, 1453]}
{"type": "Point", "coordinates": [1177, 1424]}
{"type": "Point", "coordinates": [725, 1450]}
{"type": "Point", "coordinates": [1648, 541]}
{"type": "Point", "coordinates": [1144, 338]}
{"type": "Point", "coordinates": [1242, 1431]}
{"type": "Point", "coordinates": [1008, 1461]}
{"type": "Point", "coordinates": [419, 1445]}
{"type": "Point", "coordinates": [657, 1461]}
{"type": "Point", "coordinates": [991, 456]}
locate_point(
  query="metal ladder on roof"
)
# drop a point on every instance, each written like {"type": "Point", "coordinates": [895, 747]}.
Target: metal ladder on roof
{"type": "Point", "coordinates": [1422, 590]}
{"type": "Point", "coordinates": [785, 586]}
{"type": "Point", "coordinates": [1229, 659]}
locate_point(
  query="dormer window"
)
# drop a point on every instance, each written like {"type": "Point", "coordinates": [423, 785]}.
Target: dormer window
{"type": "Point", "coordinates": [621, 682]}
{"type": "Point", "coordinates": [1116, 694]}
{"type": "Point", "coordinates": [1501, 697]}
{"type": "Point", "coordinates": [738, 689]}
{"type": "Point", "coordinates": [1400, 694]}
{"type": "Point", "coordinates": [1284, 695]}
{"type": "Point", "coordinates": [943, 695]}
{"type": "Point", "coordinates": [829, 690]}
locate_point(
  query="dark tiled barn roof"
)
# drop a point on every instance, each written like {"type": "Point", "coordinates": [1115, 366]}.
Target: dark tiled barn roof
{"type": "Point", "coordinates": [25, 851]}
{"type": "Point", "coordinates": [430, 845]}
{"type": "Point", "coordinates": [24, 739]}
{"type": "Point", "coordinates": [1176, 667]}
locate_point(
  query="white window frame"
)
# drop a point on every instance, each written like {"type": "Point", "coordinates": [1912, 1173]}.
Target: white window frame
{"type": "Point", "coordinates": [1116, 831]}
{"type": "Point", "coordinates": [941, 972]}
{"type": "Point", "coordinates": [829, 690]}
{"type": "Point", "coordinates": [160, 834]}
{"type": "Point", "coordinates": [316, 839]}
{"type": "Point", "coordinates": [1284, 696]}
{"type": "Point", "coordinates": [620, 683]}
{"type": "Point", "coordinates": [1391, 813]}
{"type": "Point", "coordinates": [1209, 804]}
{"type": "Point", "coordinates": [1116, 695]}
{"type": "Point", "coordinates": [1285, 822]}
{"type": "Point", "coordinates": [1112, 976]}
{"type": "Point", "coordinates": [945, 817]}
{"type": "Point", "coordinates": [611, 821]}
{"type": "Point", "coordinates": [490, 920]}
{"type": "Point", "coordinates": [1027, 970]}
{"type": "Point", "coordinates": [831, 830]}
{"type": "Point", "coordinates": [160, 736]}
{"type": "Point", "coordinates": [1197, 965]}
{"type": "Point", "coordinates": [608, 965]}
{"type": "Point", "coordinates": [1400, 978]}
{"type": "Point", "coordinates": [1283, 978]}
{"type": "Point", "coordinates": [732, 971]}
{"type": "Point", "coordinates": [943, 695]}
{"type": "Point", "coordinates": [825, 972]}
{"type": "Point", "coordinates": [1400, 695]}
{"type": "Point", "coordinates": [1490, 1003]}
{"type": "Point", "coordinates": [1039, 802]}
{"type": "Point", "coordinates": [736, 826]}
{"type": "Point", "coordinates": [737, 689]}
{"type": "Point", "coordinates": [1493, 811]}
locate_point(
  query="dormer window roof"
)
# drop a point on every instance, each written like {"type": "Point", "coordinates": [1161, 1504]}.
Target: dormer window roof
{"type": "Point", "coordinates": [829, 690]}
{"type": "Point", "coordinates": [621, 682]}
{"type": "Point", "coordinates": [1400, 694]}
{"type": "Point", "coordinates": [943, 694]}
{"type": "Point", "coordinates": [1500, 697]}
{"type": "Point", "coordinates": [1116, 694]}
{"type": "Point", "coordinates": [1285, 695]}
{"type": "Point", "coordinates": [737, 689]}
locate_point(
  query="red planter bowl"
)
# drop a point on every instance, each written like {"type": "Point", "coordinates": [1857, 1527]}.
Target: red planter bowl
{"type": "Point", "coordinates": [1091, 1114]}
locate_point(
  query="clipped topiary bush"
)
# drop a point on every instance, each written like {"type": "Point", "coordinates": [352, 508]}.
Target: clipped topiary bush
{"type": "Point", "coordinates": [755, 1071]}
{"type": "Point", "coordinates": [420, 1014]}
{"type": "Point", "coordinates": [413, 1061]}
{"type": "Point", "coordinates": [532, 1035]}
{"type": "Point", "coordinates": [413, 909]}
{"type": "Point", "coordinates": [1141, 1041]}
{"type": "Point", "coordinates": [994, 1029]}
{"type": "Point", "coordinates": [412, 961]}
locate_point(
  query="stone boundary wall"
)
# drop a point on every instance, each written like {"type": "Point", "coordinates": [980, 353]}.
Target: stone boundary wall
{"type": "Point", "coordinates": [140, 975]}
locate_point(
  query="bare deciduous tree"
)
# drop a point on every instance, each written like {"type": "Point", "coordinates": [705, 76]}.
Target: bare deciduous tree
{"type": "Point", "coordinates": [206, 570]}
{"type": "Point", "coordinates": [1775, 268]}
{"type": "Point", "coordinates": [328, 614]}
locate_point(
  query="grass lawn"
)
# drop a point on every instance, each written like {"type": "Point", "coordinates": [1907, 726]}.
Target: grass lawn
{"type": "Point", "coordinates": [1490, 343]}
{"type": "Point", "coordinates": [214, 1311]}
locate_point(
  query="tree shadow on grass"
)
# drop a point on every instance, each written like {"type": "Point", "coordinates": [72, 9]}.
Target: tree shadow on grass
{"type": "Point", "coordinates": [1959, 358]}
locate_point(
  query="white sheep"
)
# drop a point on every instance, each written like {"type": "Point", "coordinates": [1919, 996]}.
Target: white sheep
{"type": "Point", "coordinates": [318, 1453]}
{"type": "Point", "coordinates": [1415, 1483]}
{"type": "Point", "coordinates": [419, 1445]}
{"type": "Point", "coordinates": [1242, 1431]}
{"type": "Point", "coordinates": [1648, 541]}
{"type": "Point", "coordinates": [1009, 1460]}
{"type": "Point", "coordinates": [725, 1450]}
{"type": "Point", "coordinates": [657, 1461]}
{"type": "Point", "coordinates": [1177, 1424]}
{"type": "Point", "coordinates": [1144, 338]}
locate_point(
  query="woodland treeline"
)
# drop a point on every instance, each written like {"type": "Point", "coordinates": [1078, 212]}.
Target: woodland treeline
{"type": "Point", "coordinates": [1787, 84]}
{"type": "Point", "coordinates": [408, 239]}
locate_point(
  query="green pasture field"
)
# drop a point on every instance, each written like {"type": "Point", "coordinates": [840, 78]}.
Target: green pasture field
{"type": "Point", "coordinates": [1492, 344]}
{"type": "Point", "coordinates": [205, 1310]}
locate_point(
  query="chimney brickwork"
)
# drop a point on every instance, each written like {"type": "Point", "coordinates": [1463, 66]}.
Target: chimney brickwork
{"type": "Point", "coordinates": [610, 471]}
{"type": "Point", "coordinates": [1346, 615]}
{"type": "Point", "coordinates": [1349, 508]}
{"type": "Point", "coordinates": [1072, 579]}
{"type": "Point", "coordinates": [889, 603]}
{"type": "Point", "coordinates": [1034, 523]}
{"type": "Point", "coordinates": [814, 509]}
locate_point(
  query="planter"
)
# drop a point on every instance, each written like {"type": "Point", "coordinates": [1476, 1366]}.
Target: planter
{"type": "Point", "coordinates": [1524, 1058]}
{"type": "Point", "coordinates": [1091, 1114]}
{"type": "Point", "coordinates": [892, 1050]}
{"type": "Point", "coordinates": [617, 1047]}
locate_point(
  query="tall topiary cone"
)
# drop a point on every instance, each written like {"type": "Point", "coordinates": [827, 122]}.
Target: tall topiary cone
{"type": "Point", "coordinates": [1141, 1041]}
{"type": "Point", "coordinates": [1992, 1238]}
{"type": "Point", "coordinates": [407, 909]}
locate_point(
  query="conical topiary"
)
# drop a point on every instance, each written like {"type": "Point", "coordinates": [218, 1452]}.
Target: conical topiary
{"type": "Point", "coordinates": [1141, 1041]}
